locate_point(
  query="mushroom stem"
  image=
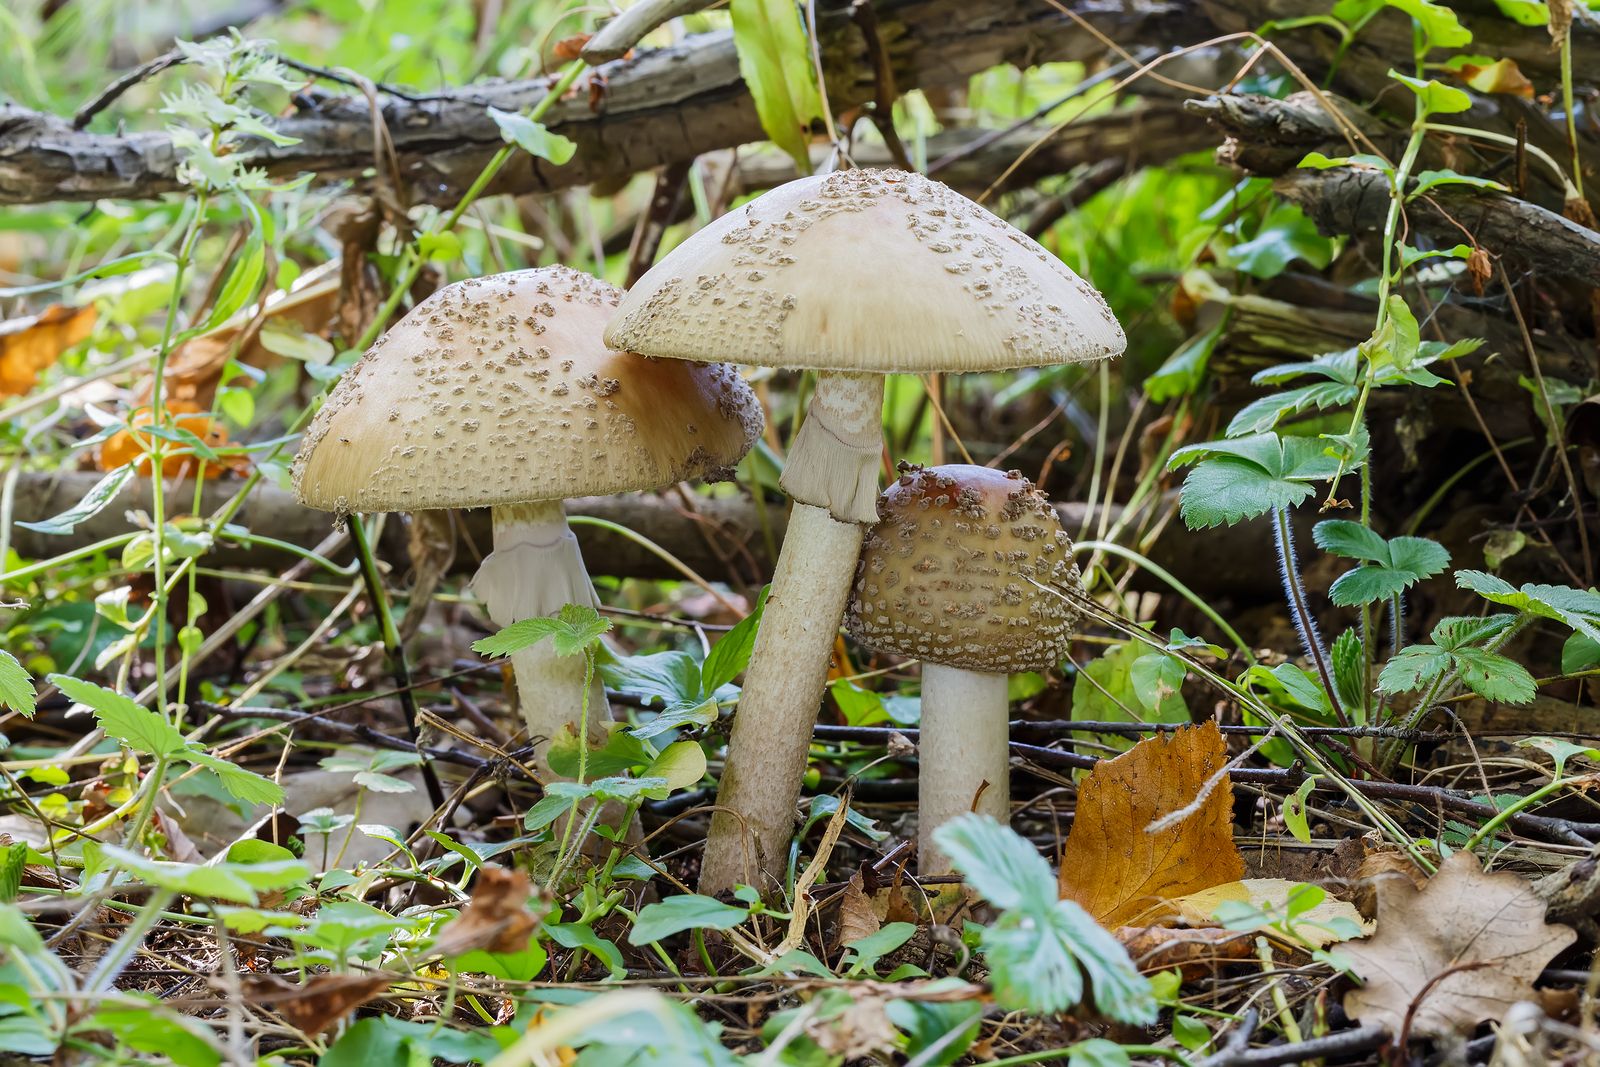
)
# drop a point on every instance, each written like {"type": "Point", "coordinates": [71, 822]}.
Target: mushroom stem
{"type": "Point", "coordinates": [835, 458]}
{"type": "Point", "coordinates": [535, 570]}
{"type": "Point", "coordinates": [832, 476]}
{"type": "Point", "coordinates": [778, 706]}
{"type": "Point", "coordinates": [963, 754]}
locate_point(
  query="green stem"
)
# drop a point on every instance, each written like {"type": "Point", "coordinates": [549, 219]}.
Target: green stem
{"type": "Point", "coordinates": [1505, 815]}
{"type": "Point", "coordinates": [396, 650]}
{"type": "Point", "coordinates": [112, 963]}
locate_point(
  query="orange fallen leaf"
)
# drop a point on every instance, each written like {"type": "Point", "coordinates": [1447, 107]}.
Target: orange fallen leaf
{"type": "Point", "coordinates": [1120, 872]}
{"type": "Point", "coordinates": [30, 345]}
{"type": "Point", "coordinates": [1462, 949]}
{"type": "Point", "coordinates": [126, 446]}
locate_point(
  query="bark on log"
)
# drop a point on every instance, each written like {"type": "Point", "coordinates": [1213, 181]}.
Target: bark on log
{"type": "Point", "coordinates": [662, 106]}
{"type": "Point", "coordinates": [722, 539]}
{"type": "Point", "coordinates": [1348, 200]}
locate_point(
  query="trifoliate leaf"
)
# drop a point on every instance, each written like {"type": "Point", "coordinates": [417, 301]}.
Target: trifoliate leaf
{"type": "Point", "coordinates": [1495, 677]}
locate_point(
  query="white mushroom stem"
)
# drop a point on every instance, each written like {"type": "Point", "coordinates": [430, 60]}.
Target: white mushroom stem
{"type": "Point", "coordinates": [963, 754]}
{"type": "Point", "coordinates": [832, 474]}
{"type": "Point", "coordinates": [535, 570]}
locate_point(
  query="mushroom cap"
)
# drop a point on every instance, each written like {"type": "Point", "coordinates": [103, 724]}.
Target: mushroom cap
{"type": "Point", "coordinates": [947, 575]}
{"type": "Point", "coordinates": [866, 270]}
{"type": "Point", "coordinates": [499, 390]}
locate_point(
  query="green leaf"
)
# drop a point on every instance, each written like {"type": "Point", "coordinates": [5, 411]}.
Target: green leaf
{"type": "Point", "coordinates": [1243, 477]}
{"type": "Point", "coordinates": [1341, 537]}
{"type": "Point", "coordinates": [93, 503]}
{"type": "Point", "coordinates": [576, 935]}
{"type": "Point", "coordinates": [1526, 12]}
{"type": "Point", "coordinates": [12, 861]}
{"type": "Point", "coordinates": [1459, 631]}
{"type": "Point", "coordinates": [176, 1039]}
{"type": "Point", "coordinates": [1266, 412]}
{"type": "Point", "coordinates": [16, 687]}
{"type": "Point", "coordinates": [1294, 811]}
{"type": "Point", "coordinates": [1432, 179]}
{"type": "Point", "coordinates": [574, 629]}
{"type": "Point", "coordinates": [1577, 608]}
{"type": "Point", "coordinates": [775, 62]}
{"type": "Point", "coordinates": [1394, 565]}
{"type": "Point", "coordinates": [533, 137]}
{"type": "Point", "coordinates": [1318, 161]}
{"type": "Point", "coordinates": [1495, 677]}
{"type": "Point", "coordinates": [1097, 1052]}
{"type": "Point", "coordinates": [1414, 668]}
{"type": "Point", "coordinates": [1285, 235]}
{"type": "Point", "coordinates": [1129, 682]}
{"type": "Point", "coordinates": [1349, 669]}
{"type": "Point", "coordinates": [1440, 26]}
{"type": "Point", "coordinates": [1040, 949]}
{"type": "Point", "coordinates": [1437, 98]}
{"type": "Point", "coordinates": [1560, 751]}
{"type": "Point", "coordinates": [686, 912]}
{"type": "Point", "coordinates": [240, 783]}
{"type": "Point", "coordinates": [681, 764]}
{"type": "Point", "coordinates": [1180, 375]}
{"type": "Point", "coordinates": [1579, 653]}
{"type": "Point", "coordinates": [234, 882]}
{"type": "Point", "coordinates": [730, 655]}
{"type": "Point", "coordinates": [137, 727]}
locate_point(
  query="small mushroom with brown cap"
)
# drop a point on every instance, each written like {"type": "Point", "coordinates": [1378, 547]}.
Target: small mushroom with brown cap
{"type": "Point", "coordinates": [855, 275]}
{"type": "Point", "coordinates": [499, 392]}
{"type": "Point", "coordinates": [968, 570]}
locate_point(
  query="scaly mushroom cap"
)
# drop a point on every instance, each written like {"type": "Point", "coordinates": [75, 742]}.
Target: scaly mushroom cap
{"type": "Point", "coordinates": [499, 390]}
{"type": "Point", "coordinates": [945, 575]}
{"type": "Point", "coordinates": [865, 270]}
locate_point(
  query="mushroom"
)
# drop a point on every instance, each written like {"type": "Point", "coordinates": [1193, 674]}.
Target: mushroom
{"type": "Point", "coordinates": [854, 274]}
{"type": "Point", "coordinates": [498, 392]}
{"type": "Point", "coordinates": [968, 570]}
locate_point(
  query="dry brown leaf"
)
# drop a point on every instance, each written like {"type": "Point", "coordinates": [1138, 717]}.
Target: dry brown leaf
{"type": "Point", "coordinates": [1462, 949]}
{"type": "Point", "coordinates": [1197, 953]}
{"type": "Point", "coordinates": [497, 918]}
{"type": "Point", "coordinates": [323, 1000]}
{"type": "Point", "coordinates": [1501, 76]}
{"type": "Point", "coordinates": [1272, 894]}
{"type": "Point", "coordinates": [861, 1030]}
{"type": "Point", "coordinates": [1124, 875]}
{"type": "Point", "coordinates": [30, 345]}
{"type": "Point", "coordinates": [856, 917]}
{"type": "Point", "coordinates": [1377, 868]}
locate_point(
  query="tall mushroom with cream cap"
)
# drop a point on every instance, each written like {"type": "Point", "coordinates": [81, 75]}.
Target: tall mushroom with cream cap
{"type": "Point", "coordinates": [854, 274]}
{"type": "Point", "coordinates": [968, 570]}
{"type": "Point", "coordinates": [498, 392]}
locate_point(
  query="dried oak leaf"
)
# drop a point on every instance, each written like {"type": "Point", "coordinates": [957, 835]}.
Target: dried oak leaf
{"type": "Point", "coordinates": [323, 1000]}
{"type": "Point", "coordinates": [856, 916]}
{"type": "Point", "coordinates": [497, 918]}
{"type": "Point", "coordinates": [1462, 949]}
{"type": "Point", "coordinates": [1122, 874]}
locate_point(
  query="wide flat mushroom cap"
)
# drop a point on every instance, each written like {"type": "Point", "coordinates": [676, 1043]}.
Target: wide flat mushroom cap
{"type": "Point", "coordinates": [866, 270]}
{"type": "Point", "coordinates": [499, 390]}
{"type": "Point", "coordinates": [948, 574]}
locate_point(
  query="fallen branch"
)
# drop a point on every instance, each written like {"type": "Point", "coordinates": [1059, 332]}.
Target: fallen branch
{"type": "Point", "coordinates": [721, 538]}
{"type": "Point", "coordinates": [662, 106]}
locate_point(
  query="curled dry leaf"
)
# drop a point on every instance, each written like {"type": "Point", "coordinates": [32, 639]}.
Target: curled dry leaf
{"type": "Point", "coordinates": [30, 345]}
{"type": "Point", "coordinates": [497, 918]}
{"type": "Point", "coordinates": [323, 1000]}
{"type": "Point", "coordinates": [1463, 949]}
{"type": "Point", "coordinates": [1124, 875]}
{"type": "Point", "coordinates": [857, 919]}
{"type": "Point", "coordinates": [1196, 953]}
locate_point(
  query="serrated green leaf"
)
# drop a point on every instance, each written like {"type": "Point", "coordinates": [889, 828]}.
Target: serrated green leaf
{"type": "Point", "coordinates": [1414, 668]}
{"type": "Point", "coordinates": [575, 628]}
{"type": "Point", "coordinates": [240, 783]}
{"type": "Point", "coordinates": [1351, 540]}
{"type": "Point", "coordinates": [16, 687]}
{"type": "Point", "coordinates": [1579, 609]}
{"type": "Point", "coordinates": [1460, 631]}
{"type": "Point", "coordinates": [137, 727]}
{"type": "Point", "coordinates": [1494, 677]}
{"type": "Point", "coordinates": [1349, 669]}
{"type": "Point", "coordinates": [1266, 412]}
